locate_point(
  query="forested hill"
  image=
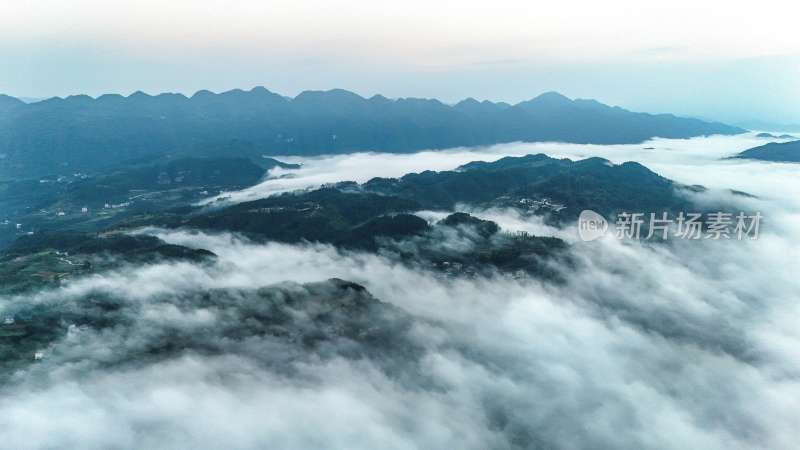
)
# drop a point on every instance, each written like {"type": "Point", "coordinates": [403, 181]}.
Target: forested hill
{"type": "Point", "coordinates": [81, 133]}
{"type": "Point", "coordinates": [774, 151]}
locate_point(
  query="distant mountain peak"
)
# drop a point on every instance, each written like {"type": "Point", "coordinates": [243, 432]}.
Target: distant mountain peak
{"type": "Point", "coordinates": [108, 97]}
{"type": "Point", "coordinates": [258, 122]}
{"type": "Point", "coordinates": [331, 94]}
{"type": "Point", "coordinates": [553, 94]}
{"type": "Point", "coordinates": [139, 95]}
{"type": "Point", "coordinates": [379, 99]}
{"type": "Point", "coordinates": [9, 100]}
{"type": "Point", "coordinates": [173, 95]}
{"type": "Point", "coordinates": [468, 101]}
{"type": "Point", "coordinates": [202, 93]}
{"type": "Point", "coordinates": [471, 105]}
{"type": "Point", "coordinates": [338, 102]}
{"type": "Point", "coordinates": [261, 90]}
{"type": "Point", "coordinates": [552, 97]}
{"type": "Point", "coordinates": [81, 99]}
{"type": "Point", "coordinates": [774, 151]}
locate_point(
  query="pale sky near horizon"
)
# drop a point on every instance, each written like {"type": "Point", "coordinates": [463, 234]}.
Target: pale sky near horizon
{"type": "Point", "coordinates": [728, 61]}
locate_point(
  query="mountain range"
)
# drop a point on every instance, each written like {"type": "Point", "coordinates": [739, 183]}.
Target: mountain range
{"type": "Point", "coordinates": [81, 133]}
{"type": "Point", "coordinates": [774, 151]}
{"type": "Point", "coordinates": [69, 216]}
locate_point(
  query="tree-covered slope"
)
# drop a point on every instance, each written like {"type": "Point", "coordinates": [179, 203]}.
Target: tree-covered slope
{"type": "Point", "coordinates": [89, 202]}
{"type": "Point", "coordinates": [774, 151]}
{"type": "Point", "coordinates": [558, 186]}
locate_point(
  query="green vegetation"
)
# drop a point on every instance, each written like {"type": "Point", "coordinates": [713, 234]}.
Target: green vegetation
{"type": "Point", "coordinates": [89, 203]}
{"type": "Point", "coordinates": [375, 216]}
{"type": "Point", "coordinates": [777, 152]}
{"type": "Point", "coordinates": [526, 182]}
{"type": "Point", "coordinates": [324, 215]}
{"type": "Point", "coordinates": [327, 319]}
{"type": "Point", "coordinates": [47, 259]}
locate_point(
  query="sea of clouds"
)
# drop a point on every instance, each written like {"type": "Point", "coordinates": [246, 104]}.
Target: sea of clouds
{"type": "Point", "coordinates": [692, 344]}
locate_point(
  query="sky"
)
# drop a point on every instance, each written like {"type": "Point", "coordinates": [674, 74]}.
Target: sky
{"type": "Point", "coordinates": [709, 59]}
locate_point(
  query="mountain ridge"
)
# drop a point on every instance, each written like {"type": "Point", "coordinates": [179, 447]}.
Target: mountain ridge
{"type": "Point", "coordinates": [81, 133]}
{"type": "Point", "coordinates": [774, 151]}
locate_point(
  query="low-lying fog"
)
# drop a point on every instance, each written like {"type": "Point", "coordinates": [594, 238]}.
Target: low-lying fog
{"type": "Point", "coordinates": [684, 160]}
{"type": "Point", "coordinates": [693, 345]}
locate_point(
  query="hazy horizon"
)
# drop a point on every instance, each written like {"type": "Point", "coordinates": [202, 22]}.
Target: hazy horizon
{"type": "Point", "coordinates": [754, 124]}
{"type": "Point", "coordinates": [717, 61]}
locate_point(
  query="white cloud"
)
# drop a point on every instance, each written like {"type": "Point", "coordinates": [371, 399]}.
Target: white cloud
{"type": "Point", "coordinates": [688, 161]}
{"type": "Point", "coordinates": [691, 345]}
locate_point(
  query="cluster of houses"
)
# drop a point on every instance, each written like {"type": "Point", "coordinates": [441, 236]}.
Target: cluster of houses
{"type": "Point", "coordinates": [116, 205]}
{"type": "Point", "coordinates": [305, 207]}
{"type": "Point", "coordinates": [268, 210]}
{"type": "Point", "coordinates": [452, 269]}
{"type": "Point", "coordinates": [17, 226]}
{"type": "Point", "coordinates": [7, 222]}
{"type": "Point", "coordinates": [61, 213]}
{"type": "Point", "coordinates": [11, 322]}
{"type": "Point", "coordinates": [455, 269]}
{"type": "Point", "coordinates": [58, 213]}
{"type": "Point", "coordinates": [64, 178]}
{"type": "Point", "coordinates": [544, 203]}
